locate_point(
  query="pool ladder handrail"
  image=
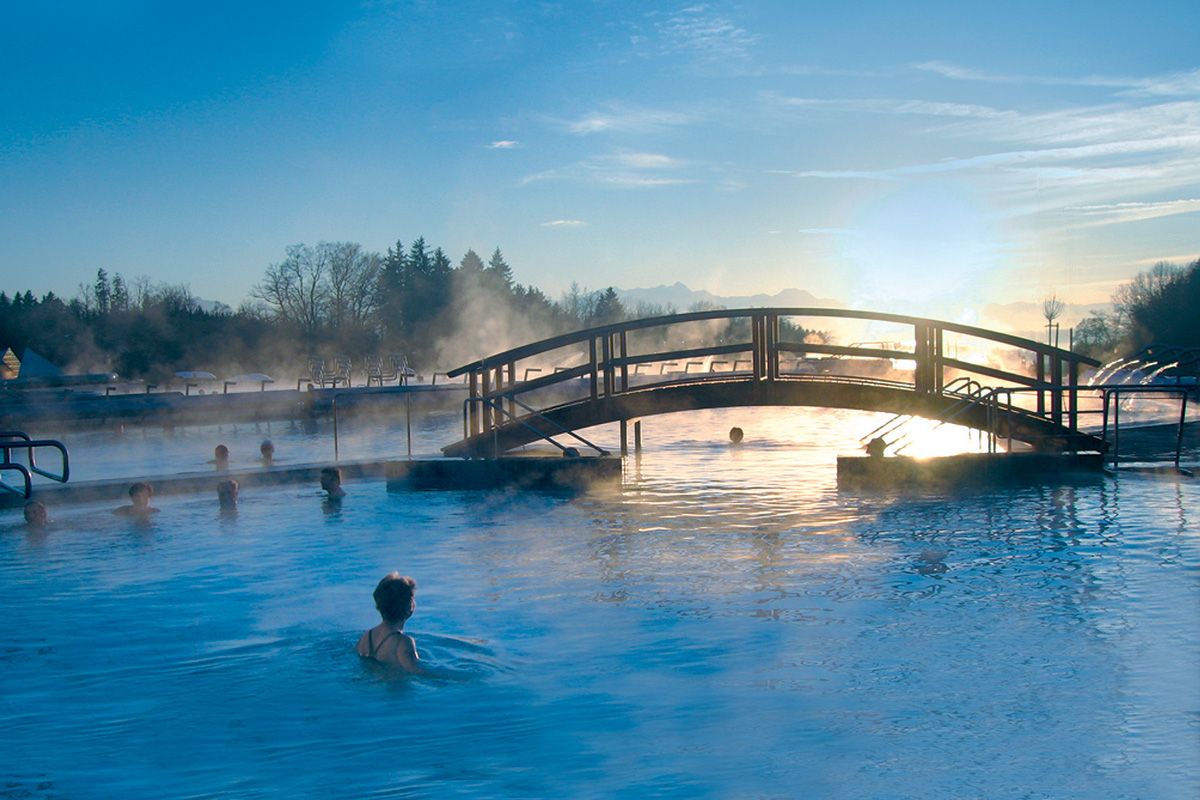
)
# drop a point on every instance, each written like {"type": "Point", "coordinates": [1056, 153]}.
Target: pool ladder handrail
{"type": "Point", "coordinates": [523, 421]}
{"type": "Point", "coordinates": [973, 395]}
{"type": "Point", "coordinates": [898, 423]}
{"type": "Point", "coordinates": [1109, 392]}
{"type": "Point", "coordinates": [19, 440]}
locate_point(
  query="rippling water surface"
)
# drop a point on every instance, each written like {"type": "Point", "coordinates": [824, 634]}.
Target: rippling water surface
{"type": "Point", "coordinates": [726, 624]}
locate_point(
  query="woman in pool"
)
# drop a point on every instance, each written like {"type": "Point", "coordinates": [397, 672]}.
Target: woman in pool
{"type": "Point", "coordinates": [387, 642]}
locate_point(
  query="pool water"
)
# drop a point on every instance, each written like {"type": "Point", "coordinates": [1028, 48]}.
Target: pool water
{"type": "Point", "coordinates": [726, 624]}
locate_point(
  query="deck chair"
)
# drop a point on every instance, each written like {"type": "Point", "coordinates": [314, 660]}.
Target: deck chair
{"type": "Point", "coordinates": [342, 371]}
{"type": "Point", "coordinates": [400, 366]}
{"type": "Point", "coordinates": [377, 371]}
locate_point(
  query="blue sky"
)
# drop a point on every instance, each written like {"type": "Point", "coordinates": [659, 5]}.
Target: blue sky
{"type": "Point", "coordinates": [912, 157]}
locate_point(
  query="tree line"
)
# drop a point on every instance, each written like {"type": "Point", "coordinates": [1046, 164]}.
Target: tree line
{"type": "Point", "coordinates": [338, 297]}
{"type": "Point", "coordinates": [1160, 305]}
{"type": "Point", "coordinates": [332, 297]}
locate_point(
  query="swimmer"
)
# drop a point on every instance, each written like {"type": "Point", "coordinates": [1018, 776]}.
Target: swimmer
{"type": "Point", "coordinates": [221, 456]}
{"type": "Point", "coordinates": [387, 642]}
{"type": "Point", "coordinates": [268, 452]}
{"type": "Point", "coordinates": [227, 495]}
{"type": "Point", "coordinates": [876, 447]}
{"type": "Point", "coordinates": [36, 517]}
{"type": "Point", "coordinates": [736, 435]}
{"type": "Point", "coordinates": [331, 483]}
{"type": "Point", "coordinates": [139, 498]}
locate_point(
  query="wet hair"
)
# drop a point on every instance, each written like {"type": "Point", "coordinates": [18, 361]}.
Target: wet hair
{"type": "Point", "coordinates": [227, 492]}
{"type": "Point", "coordinates": [221, 453]}
{"type": "Point", "coordinates": [394, 597]}
{"type": "Point", "coordinates": [736, 434]}
{"type": "Point", "coordinates": [330, 476]}
{"type": "Point", "coordinates": [141, 487]}
{"type": "Point", "coordinates": [35, 513]}
{"type": "Point", "coordinates": [266, 448]}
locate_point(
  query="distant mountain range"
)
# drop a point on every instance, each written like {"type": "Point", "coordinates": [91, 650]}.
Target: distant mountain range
{"type": "Point", "coordinates": [683, 298]}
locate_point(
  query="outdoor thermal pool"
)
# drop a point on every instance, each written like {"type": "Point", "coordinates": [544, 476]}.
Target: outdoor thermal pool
{"type": "Point", "coordinates": [727, 625]}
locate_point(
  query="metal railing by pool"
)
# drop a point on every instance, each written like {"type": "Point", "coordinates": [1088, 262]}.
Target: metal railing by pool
{"type": "Point", "coordinates": [19, 440]}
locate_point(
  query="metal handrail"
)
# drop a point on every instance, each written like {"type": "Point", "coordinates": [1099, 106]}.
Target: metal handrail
{"type": "Point", "coordinates": [534, 412]}
{"type": "Point", "coordinates": [1108, 392]}
{"type": "Point", "coordinates": [22, 441]}
{"type": "Point", "coordinates": [28, 491]}
{"type": "Point", "coordinates": [967, 401]}
{"type": "Point", "coordinates": [900, 420]}
{"type": "Point", "coordinates": [523, 422]}
{"type": "Point", "coordinates": [586, 334]}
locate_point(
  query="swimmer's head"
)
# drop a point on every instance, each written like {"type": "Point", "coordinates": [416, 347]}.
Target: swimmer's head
{"type": "Point", "coordinates": [140, 493]}
{"type": "Point", "coordinates": [876, 447]}
{"type": "Point", "coordinates": [736, 435]}
{"type": "Point", "coordinates": [221, 454]}
{"type": "Point", "coordinates": [35, 514]}
{"type": "Point", "coordinates": [267, 449]}
{"type": "Point", "coordinates": [227, 493]}
{"type": "Point", "coordinates": [331, 479]}
{"type": "Point", "coordinates": [394, 597]}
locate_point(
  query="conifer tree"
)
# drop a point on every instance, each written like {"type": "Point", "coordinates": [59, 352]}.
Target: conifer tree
{"type": "Point", "coordinates": [499, 270]}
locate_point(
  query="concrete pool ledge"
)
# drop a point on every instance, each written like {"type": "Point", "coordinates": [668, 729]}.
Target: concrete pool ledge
{"type": "Point", "coordinates": [432, 473]}
{"type": "Point", "coordinates": [967, 469]}
{"type": "Point", "coordinates": [545, 473]}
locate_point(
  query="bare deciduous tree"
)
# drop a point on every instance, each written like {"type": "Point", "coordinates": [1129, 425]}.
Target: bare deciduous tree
{"type": "Point", "coordinates": [353, 274]}
{"type": "Point", "coordinates": [297, 288]}
{"type": "Point", "coordinates": [1052, 309]}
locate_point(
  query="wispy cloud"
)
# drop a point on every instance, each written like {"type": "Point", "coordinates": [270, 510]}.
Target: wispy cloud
{"type": "Point", "coordinates": [891, 106]}
{"type": "Point", "coordinates": [564, 223]}
{"type": "Point", "coordinates": [626, 169]}
{"type": "Point", "coordinates": [1176, 258]}
{"type": "Point", "coordinates": [504, 144]}
{"type": "Point", "coordinates": [863, 174]}
{"type": "Point", "coordinates": [645, 160]}
{"type": "Point", "coordinates": [1088, 124]}
{"type": "Point", "coordinates": [1042, 161]}
{"type": "Point", "coordinates": [1170, 84]}
{"type": "Point", "coordinates": [1110, 213]}
{"type": "Point", "coordinates": [1014, 158]}
{"type": "Point", "coordinates": [627, 119]}
{"type": "Point", "coordinates": [698, 31]}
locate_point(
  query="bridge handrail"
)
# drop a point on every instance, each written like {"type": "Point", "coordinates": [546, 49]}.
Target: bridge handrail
{"type": "Point", "coordinates": [586, 334]}
{"type": "Point", "coordinates": [600, 357]}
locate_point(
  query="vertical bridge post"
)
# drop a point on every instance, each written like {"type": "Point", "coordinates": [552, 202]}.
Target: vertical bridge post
{"type": "Point", "coordinates": [922, 370]}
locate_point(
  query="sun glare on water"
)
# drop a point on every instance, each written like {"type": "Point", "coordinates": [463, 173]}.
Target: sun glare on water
{"type": "Point", "coordinates": [925, 438]}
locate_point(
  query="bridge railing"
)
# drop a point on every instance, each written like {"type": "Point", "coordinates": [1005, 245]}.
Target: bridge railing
{"type": "Point", "coordinates": [766, 344]}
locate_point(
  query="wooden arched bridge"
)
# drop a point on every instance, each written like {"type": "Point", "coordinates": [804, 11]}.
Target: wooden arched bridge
{"type": "Point", "coordinates": [1011, 387]}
